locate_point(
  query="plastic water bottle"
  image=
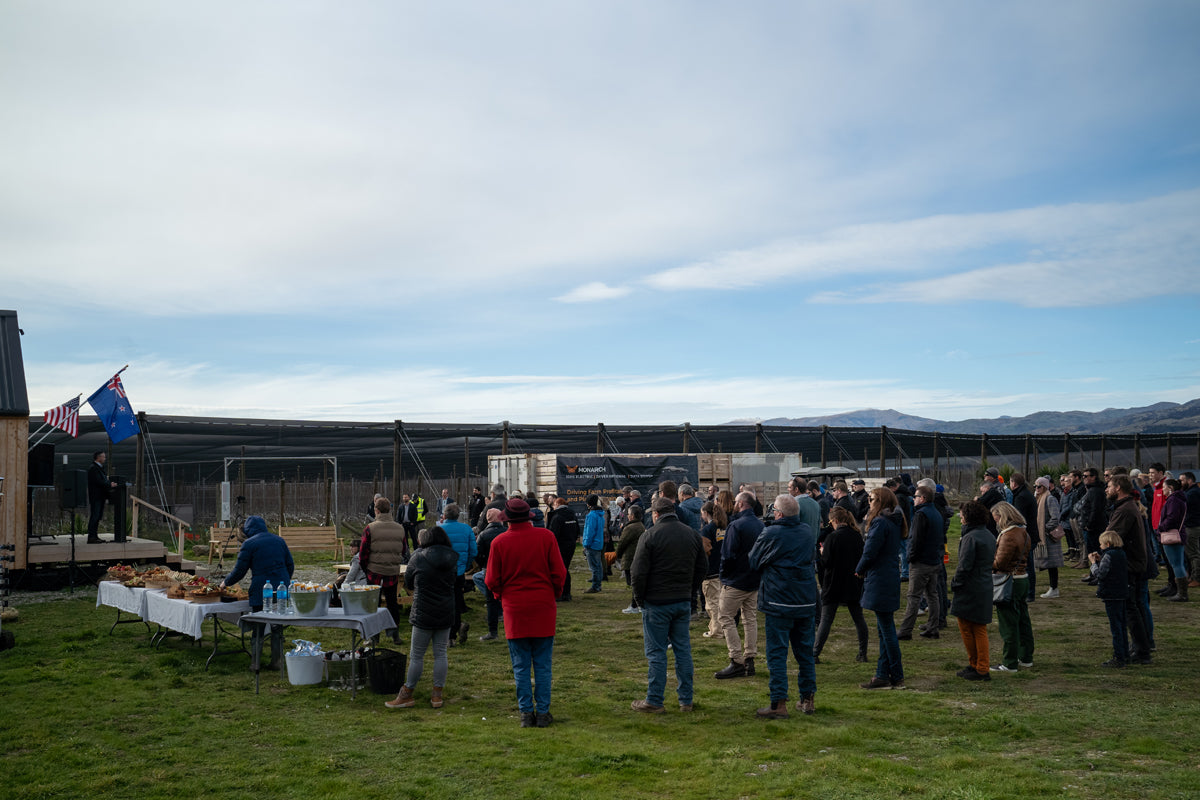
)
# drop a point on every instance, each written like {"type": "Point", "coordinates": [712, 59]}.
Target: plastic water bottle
{"type": "Point", "coordinates": [282, 604]}
{"type": "Point", "coordinates": [268, 598]}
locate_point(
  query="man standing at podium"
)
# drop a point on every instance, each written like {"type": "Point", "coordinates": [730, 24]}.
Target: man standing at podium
{"type": "Point", "coordinates": [99, 490]}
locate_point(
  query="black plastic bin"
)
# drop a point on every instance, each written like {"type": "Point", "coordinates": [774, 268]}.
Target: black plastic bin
{"type": "Point", "coordinates": [385, 671]}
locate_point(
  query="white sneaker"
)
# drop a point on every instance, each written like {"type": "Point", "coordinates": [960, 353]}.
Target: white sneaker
{"type": "Point", "coordinates": [1025, 663]}
{"type": "Point", "coordinates": [1050, 593]}
{"type": "Point", "coordinates": [1002, 668]}
{"type": "Point", "coordinates": [631, 610]}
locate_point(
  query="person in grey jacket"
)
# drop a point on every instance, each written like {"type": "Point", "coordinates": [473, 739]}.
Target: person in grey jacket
{"type": "Point", "coordinates": [972, 586]}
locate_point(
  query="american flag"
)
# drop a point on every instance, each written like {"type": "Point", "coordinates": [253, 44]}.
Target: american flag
{"type": "Point", "coordinates": [65, 417]}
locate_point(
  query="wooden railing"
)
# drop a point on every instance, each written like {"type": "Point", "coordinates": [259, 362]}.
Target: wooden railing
{"type": "Point", "coordinates": [176, 532]}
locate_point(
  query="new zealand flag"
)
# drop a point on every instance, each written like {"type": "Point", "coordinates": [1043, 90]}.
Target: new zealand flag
{"type": "Point", "coordinates": [112, 407]}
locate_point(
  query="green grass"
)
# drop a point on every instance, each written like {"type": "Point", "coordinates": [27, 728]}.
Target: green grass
{"type": "Point", "coordinates": [87, 714]}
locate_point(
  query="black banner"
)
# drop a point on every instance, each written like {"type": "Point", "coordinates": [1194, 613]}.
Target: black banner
{"type": "Point", "coordinates": [579, 476]}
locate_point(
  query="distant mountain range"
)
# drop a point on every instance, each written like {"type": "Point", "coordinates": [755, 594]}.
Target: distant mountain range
{"type": "Point", "coordinates": [1158, 418]}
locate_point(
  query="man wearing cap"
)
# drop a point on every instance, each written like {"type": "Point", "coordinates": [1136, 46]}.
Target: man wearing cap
{"type": "Point", "coordinates": [667, 570]}
{"type": "Point", "coordinates": [526, 572]}
{"type": "Point", "coordinates": [861, 498]}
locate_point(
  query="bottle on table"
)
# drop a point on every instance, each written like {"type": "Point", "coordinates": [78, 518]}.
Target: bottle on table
{"type": "Point", "coordinates": [282, 600]}
{"type": "Point", "coordinates": [268, 597]}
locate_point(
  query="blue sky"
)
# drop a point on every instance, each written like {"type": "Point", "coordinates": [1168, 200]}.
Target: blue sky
{"type": "Point", "coordinates": [572, 212]}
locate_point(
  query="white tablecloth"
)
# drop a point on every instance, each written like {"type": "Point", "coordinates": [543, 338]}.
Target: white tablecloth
{"type": "Point", "coordinates": [367, 625]}
{"type": "Point", "coordinates": [123, 598]}
{"type": "Point", "coordinates": [187, 617]}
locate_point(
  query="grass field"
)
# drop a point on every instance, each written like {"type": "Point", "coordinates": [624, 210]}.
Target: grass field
{"type": "Point", "coordinates": [88, 714]}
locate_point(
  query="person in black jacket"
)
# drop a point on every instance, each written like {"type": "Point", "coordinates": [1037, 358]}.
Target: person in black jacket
{"type": "Point", "coordinates": [99, 491]}
{"type": "Point", "coordinates": [839, 585]}
{"type": "Point", "coordinates": [666, 573]}
{"type": "Point", "coordinates": [563, 523]}
{"type": "Point", "coordinates": [483, 545]}
{"type": "Point", "coordinates": [1112, 575]}
{"type": "Point", "coordinates": [1091, 511]}
{"type": "Point", "coordinates": [1024, 502]}
{"type": "Point", "coordinates": [926, 544]}
{"type": "Point", "coordinates": [431, 575]}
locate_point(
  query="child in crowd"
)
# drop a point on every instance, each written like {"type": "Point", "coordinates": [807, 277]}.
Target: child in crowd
{"type": "Point", "coordinates": [1109, 567]}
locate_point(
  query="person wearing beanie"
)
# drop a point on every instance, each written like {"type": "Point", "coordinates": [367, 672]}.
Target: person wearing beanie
{"type": "Point", "coordinates": [525, 571]}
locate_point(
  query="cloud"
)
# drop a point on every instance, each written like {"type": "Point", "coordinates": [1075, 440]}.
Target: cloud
{"type": "Point", "coordinates": [592, 292]}
{"type": "Point", "coordinates": [1071, 255]}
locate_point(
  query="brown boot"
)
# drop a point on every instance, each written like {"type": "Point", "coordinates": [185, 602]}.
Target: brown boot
{"type": "Point", "coordinates": [403, 700]}
{"type": "Point", "coordinates": [778, 710]}
{"type": "Point", "coordinates": [435, 699]}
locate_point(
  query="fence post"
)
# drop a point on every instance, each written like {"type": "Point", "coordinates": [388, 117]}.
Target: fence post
{"type": "Point", "coordinates": [983, 449]}
{"type": "Point", "coordinates": [824, 436]}
{"type": "Point", "coordinates": [687, 435]}
{"type": "Point", "coordinates": [599, 438]}
{"type": "Point", "coordinates": [1067, 451]}
{"type": "Point", "coordinates": [937, 440]}
{"type": "Point", "coordinates": [397, 460]}
{"type": "Point", "coordinates": [1103, 451]}
{"type": "Point", "coordinates": [882, 449]}
{"type": "Point", "coordinates": [282, 518]}
{"type": "Point", "coordinates": [758, 436]}
{"type": "Point", "coordinates": [1025, 466]}
{"type": "Point", "coordinates": [504, 440]}
{"type": "Point", "coordinates": [1137, 450]}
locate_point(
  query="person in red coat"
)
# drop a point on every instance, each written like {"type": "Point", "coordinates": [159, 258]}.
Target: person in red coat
{"type": "Point", "coordinates": [525, 571]}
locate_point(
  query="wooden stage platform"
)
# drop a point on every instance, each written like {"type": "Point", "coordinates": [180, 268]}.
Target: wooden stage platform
{"type": "Point", "coordinates": [57, 549]}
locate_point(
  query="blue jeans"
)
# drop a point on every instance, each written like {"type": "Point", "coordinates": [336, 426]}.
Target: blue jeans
{"type": "Point", "coordinates": [888, 667]}
{"type": "Point", "coordinates": [532, 652]}
{"type": "Point", "coordinates": [1117, 626]}
{"type": "Point", "coordinates": [1174, 556]}
{"type": "Point", "coordinates": [903, 562]}
{"type": "Point", "coordinates": [595, 560]}
{"type": "Point", "coordinates": [660, 625]}
{"type": "Point", "coordinates": [797, 631]}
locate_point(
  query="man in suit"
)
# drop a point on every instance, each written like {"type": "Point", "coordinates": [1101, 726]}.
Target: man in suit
{"type": "Point", "coordinates": [99, 490]}
{"type": "Point", "coordinates": [406, 515]}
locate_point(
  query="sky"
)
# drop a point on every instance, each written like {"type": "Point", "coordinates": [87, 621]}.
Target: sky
{"type": "Point", "coordinates": [619, 212]}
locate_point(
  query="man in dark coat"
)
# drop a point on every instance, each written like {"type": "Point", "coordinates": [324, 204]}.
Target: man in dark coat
{"type": "Point", "coordinates": [739, 588]}
{"type": "Point", "coordinates": [926, 544]}
{"type": "Point", "coordinates": [99, 490]}
{"type": "Point", "coordinates": [1024, 502]}
{"type": "Point", "coordinates": [666, 574]}
{"type": "Point", "coordinates": [563, 523]}
{"type": "Point", "coordinates": [1128, 520]}
{"type": "Point", "coordinates": [787, 596]}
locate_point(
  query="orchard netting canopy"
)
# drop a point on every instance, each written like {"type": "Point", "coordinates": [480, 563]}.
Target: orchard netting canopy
{"type": "Point", "coordinates": [194, 448]}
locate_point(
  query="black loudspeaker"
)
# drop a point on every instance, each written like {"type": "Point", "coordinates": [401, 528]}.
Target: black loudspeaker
{"type": "Point", "coordinates": [119, 499]}
{"type": "Point", "coordinates": [72, 488]}
{"type": "Point", "coordinates": [41, 465]}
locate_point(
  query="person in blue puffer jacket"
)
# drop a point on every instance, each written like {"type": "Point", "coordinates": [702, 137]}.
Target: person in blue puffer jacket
{"type": "Point", "coordinates": [593, 541]}
{"type": "Point", "coordinates": [787, 596]}
{"type": "Point", "coordinates": [267, 558]}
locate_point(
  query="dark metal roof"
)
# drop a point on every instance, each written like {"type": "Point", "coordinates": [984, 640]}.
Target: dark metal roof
{"type": "Point", "coordinates": [14, 399]}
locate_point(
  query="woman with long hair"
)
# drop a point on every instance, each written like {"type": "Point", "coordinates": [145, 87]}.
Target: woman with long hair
{"type": "Point", "coordinates": [839, 585]}
{"type": "Point", "coordinates": [1012, 558]}
{"type": "Point", "coordinates": [879, 568]}
{"type": "Point", "coordinates": [725, 502]}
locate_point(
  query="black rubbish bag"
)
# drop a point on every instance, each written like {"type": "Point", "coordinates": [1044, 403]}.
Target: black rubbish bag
{"type": "Point", "coordinates": [385, 671]}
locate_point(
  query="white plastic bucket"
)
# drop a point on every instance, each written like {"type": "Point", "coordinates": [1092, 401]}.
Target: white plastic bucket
{"type": "Point", "coordinates": [305, 670]}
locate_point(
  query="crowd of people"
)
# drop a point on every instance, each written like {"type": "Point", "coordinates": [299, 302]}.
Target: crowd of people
{"type": "Point", "coordinates": [725, 558]}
